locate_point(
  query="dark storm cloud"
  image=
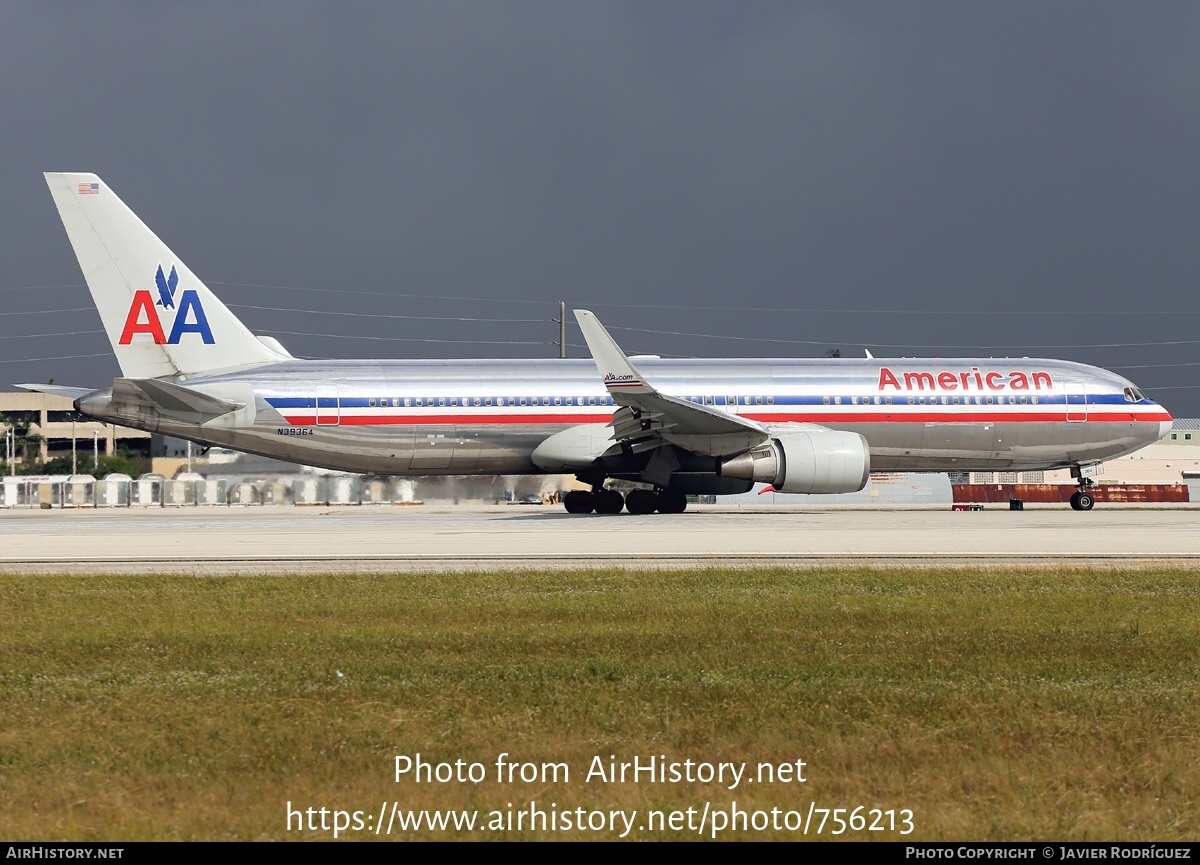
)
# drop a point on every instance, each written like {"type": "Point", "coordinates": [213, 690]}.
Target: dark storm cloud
{"type": "Point", "coordinates": [901, 163]}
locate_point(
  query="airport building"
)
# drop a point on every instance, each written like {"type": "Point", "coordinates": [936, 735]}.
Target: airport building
{"type": "Point", "coordinates": [44, 426]}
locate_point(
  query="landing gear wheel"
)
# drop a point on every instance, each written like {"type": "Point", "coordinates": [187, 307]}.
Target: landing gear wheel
{"type": "Point", "coordinates": [671, 502]}
{"type": "Point", "coordinates": [1083, 501]}
{"type": "Point", "coordinates": [579, 502]}
{"type": "Point", "coordinates": [608, 501]}
{"type": "Point", "coordinates": [641, 502]}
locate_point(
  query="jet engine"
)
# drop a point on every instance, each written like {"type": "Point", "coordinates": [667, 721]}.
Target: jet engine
{"type": "Point", "coordinates": [816, 461]}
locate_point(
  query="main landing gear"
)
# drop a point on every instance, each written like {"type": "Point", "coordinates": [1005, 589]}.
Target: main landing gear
{"type": "Point", "coordinates": [639, 501]}
{"type": "Point", "coordinates": [1083, 500]}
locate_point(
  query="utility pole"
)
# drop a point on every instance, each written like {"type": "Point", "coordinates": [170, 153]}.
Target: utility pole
{"type": "Point", "coordinates": [189, 456]}
{"type": "Point", "coordinates": [95, 451]}
{"type": "Point", "coordinates": [74, 464]}
{"type": "Point", "coordinates": [562, 328]}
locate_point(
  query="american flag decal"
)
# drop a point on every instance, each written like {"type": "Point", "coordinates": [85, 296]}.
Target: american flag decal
{"type": "Point", "coordinates": [89, 189]}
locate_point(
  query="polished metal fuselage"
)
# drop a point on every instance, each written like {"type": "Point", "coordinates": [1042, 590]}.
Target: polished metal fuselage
{"type": "Point", "coordinates": [427, 417]}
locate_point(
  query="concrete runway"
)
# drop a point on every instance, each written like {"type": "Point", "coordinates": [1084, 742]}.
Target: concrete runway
{"type": "Point", "coordinates": [388, 538]}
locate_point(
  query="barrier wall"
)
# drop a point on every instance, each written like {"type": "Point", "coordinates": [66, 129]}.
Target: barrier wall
{"type": "Point", "coordinates": [1051, 493]}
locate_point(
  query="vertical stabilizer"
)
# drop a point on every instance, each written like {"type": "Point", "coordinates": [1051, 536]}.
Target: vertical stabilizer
{"type": "Point", "coordinates": [160, 319]}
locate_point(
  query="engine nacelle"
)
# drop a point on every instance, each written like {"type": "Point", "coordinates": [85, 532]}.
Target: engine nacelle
{"type": "Point", "coordinates": [820, 461]}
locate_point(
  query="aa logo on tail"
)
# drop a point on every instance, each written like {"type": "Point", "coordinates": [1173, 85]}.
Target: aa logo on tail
{"type": "Point", "coordinates": [144, 318]}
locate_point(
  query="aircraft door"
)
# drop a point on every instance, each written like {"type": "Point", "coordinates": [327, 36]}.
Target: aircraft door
{"type": "Point", "coordinates": [328, 405]}
{"type": "Point", "coordinates": [1076, 402]}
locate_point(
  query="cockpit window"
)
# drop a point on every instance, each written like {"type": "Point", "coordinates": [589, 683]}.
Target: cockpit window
{"type": "Point", "coordinates": [1132, 394]}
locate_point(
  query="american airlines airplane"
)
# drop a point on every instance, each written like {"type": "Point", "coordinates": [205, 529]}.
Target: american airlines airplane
{"type": "Point", "coordinates": [190, 368]}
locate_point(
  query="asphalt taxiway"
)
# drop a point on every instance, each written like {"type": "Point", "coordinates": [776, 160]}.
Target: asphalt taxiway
{"type": "Point", "coordinates": [391, 538]}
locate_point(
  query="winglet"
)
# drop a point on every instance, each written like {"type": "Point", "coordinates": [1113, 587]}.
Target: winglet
{"type": "Point", "coordinates": [618, 373]}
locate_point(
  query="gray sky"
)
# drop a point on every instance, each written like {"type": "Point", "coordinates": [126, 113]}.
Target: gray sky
{"type": "Point", "coordinates": [920, 178]}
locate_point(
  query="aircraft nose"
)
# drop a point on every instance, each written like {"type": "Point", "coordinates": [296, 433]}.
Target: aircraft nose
{"type": "Point", "coordinates": [1165, 426]}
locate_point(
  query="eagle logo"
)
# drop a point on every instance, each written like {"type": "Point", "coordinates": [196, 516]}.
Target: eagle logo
{"type": "Point", "coordinates": [166, 287]}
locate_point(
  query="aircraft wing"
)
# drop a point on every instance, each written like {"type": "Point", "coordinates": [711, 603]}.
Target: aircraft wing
{"type": "Point", "coordinates": [647, 418]}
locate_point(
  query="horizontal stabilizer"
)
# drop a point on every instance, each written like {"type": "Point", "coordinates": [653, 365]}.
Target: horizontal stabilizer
{"type": "Point", "coordinates": [172, 400]}
{"type": "Point", "coordinates": [58, 390]}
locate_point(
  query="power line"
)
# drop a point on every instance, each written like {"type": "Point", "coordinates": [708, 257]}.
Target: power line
{"type": "Point", "coordinates": [49, 311]}
{"type": "Point", "coordinates": [381, 293]}
{"type": "Point", "coordinates": [408, 338]}
{"type": "Point", "coordinates": [1155, 365]}
{"type": "Point", "coordinates": [63, 333]}
{"type": "Point", "coordinates": [385, 315]}
{"type": "Point", "coordinates": [795, 310]}
{"type": "Point", "coordinates": [602, 305]}
{"type": "Point", "coordinates": [59, 357]}
{"type": "Point", "coordinates": [40, 287]}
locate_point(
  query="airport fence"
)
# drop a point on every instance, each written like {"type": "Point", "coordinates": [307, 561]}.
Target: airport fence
{"type": "Point", "coordinates": [157, 491]}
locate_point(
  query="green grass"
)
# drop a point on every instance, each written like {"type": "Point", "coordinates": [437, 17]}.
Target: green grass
{"type": "Point", "coordinates": [1035, 703]}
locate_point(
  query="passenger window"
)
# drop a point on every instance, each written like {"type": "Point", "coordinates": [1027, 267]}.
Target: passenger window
{"type": "Point", "coordinates": [825, 400]}
{"type": "Point", "coordinates": [770, 400]}
{"type": "Point", "coordinates": [371, 401]}
{"type": "Point", "coordinates": [837, 400]}
{"type": "Point", "coordinates": [888, 400]}
{"type": "Point", "coordinates": [591, 400]}
{"type": "Point", "coordinates": [558, 400]}
{"type": "Point", "coordinates": [441, 400]}
{"type": "Point", "coordinates": [407, 402]}
{"type": "Point", "coordinates": [1024, 400]}
{"type": "Point", "coordinates": [912, 400]}
{"type": "Point", "coordinates": [954, 400]}
{"type": "Point", "coordinates": [475, 401]}
{"type": "Point", "coordinates": [989, 400]}
{"type": "Point", "coordinates": [758, 400]}
{"type": "Point", "coordinates": [522, 400]}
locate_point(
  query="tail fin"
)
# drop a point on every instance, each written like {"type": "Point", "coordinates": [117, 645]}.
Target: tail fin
{"type": "Point", "coordinates": [160, 319]}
